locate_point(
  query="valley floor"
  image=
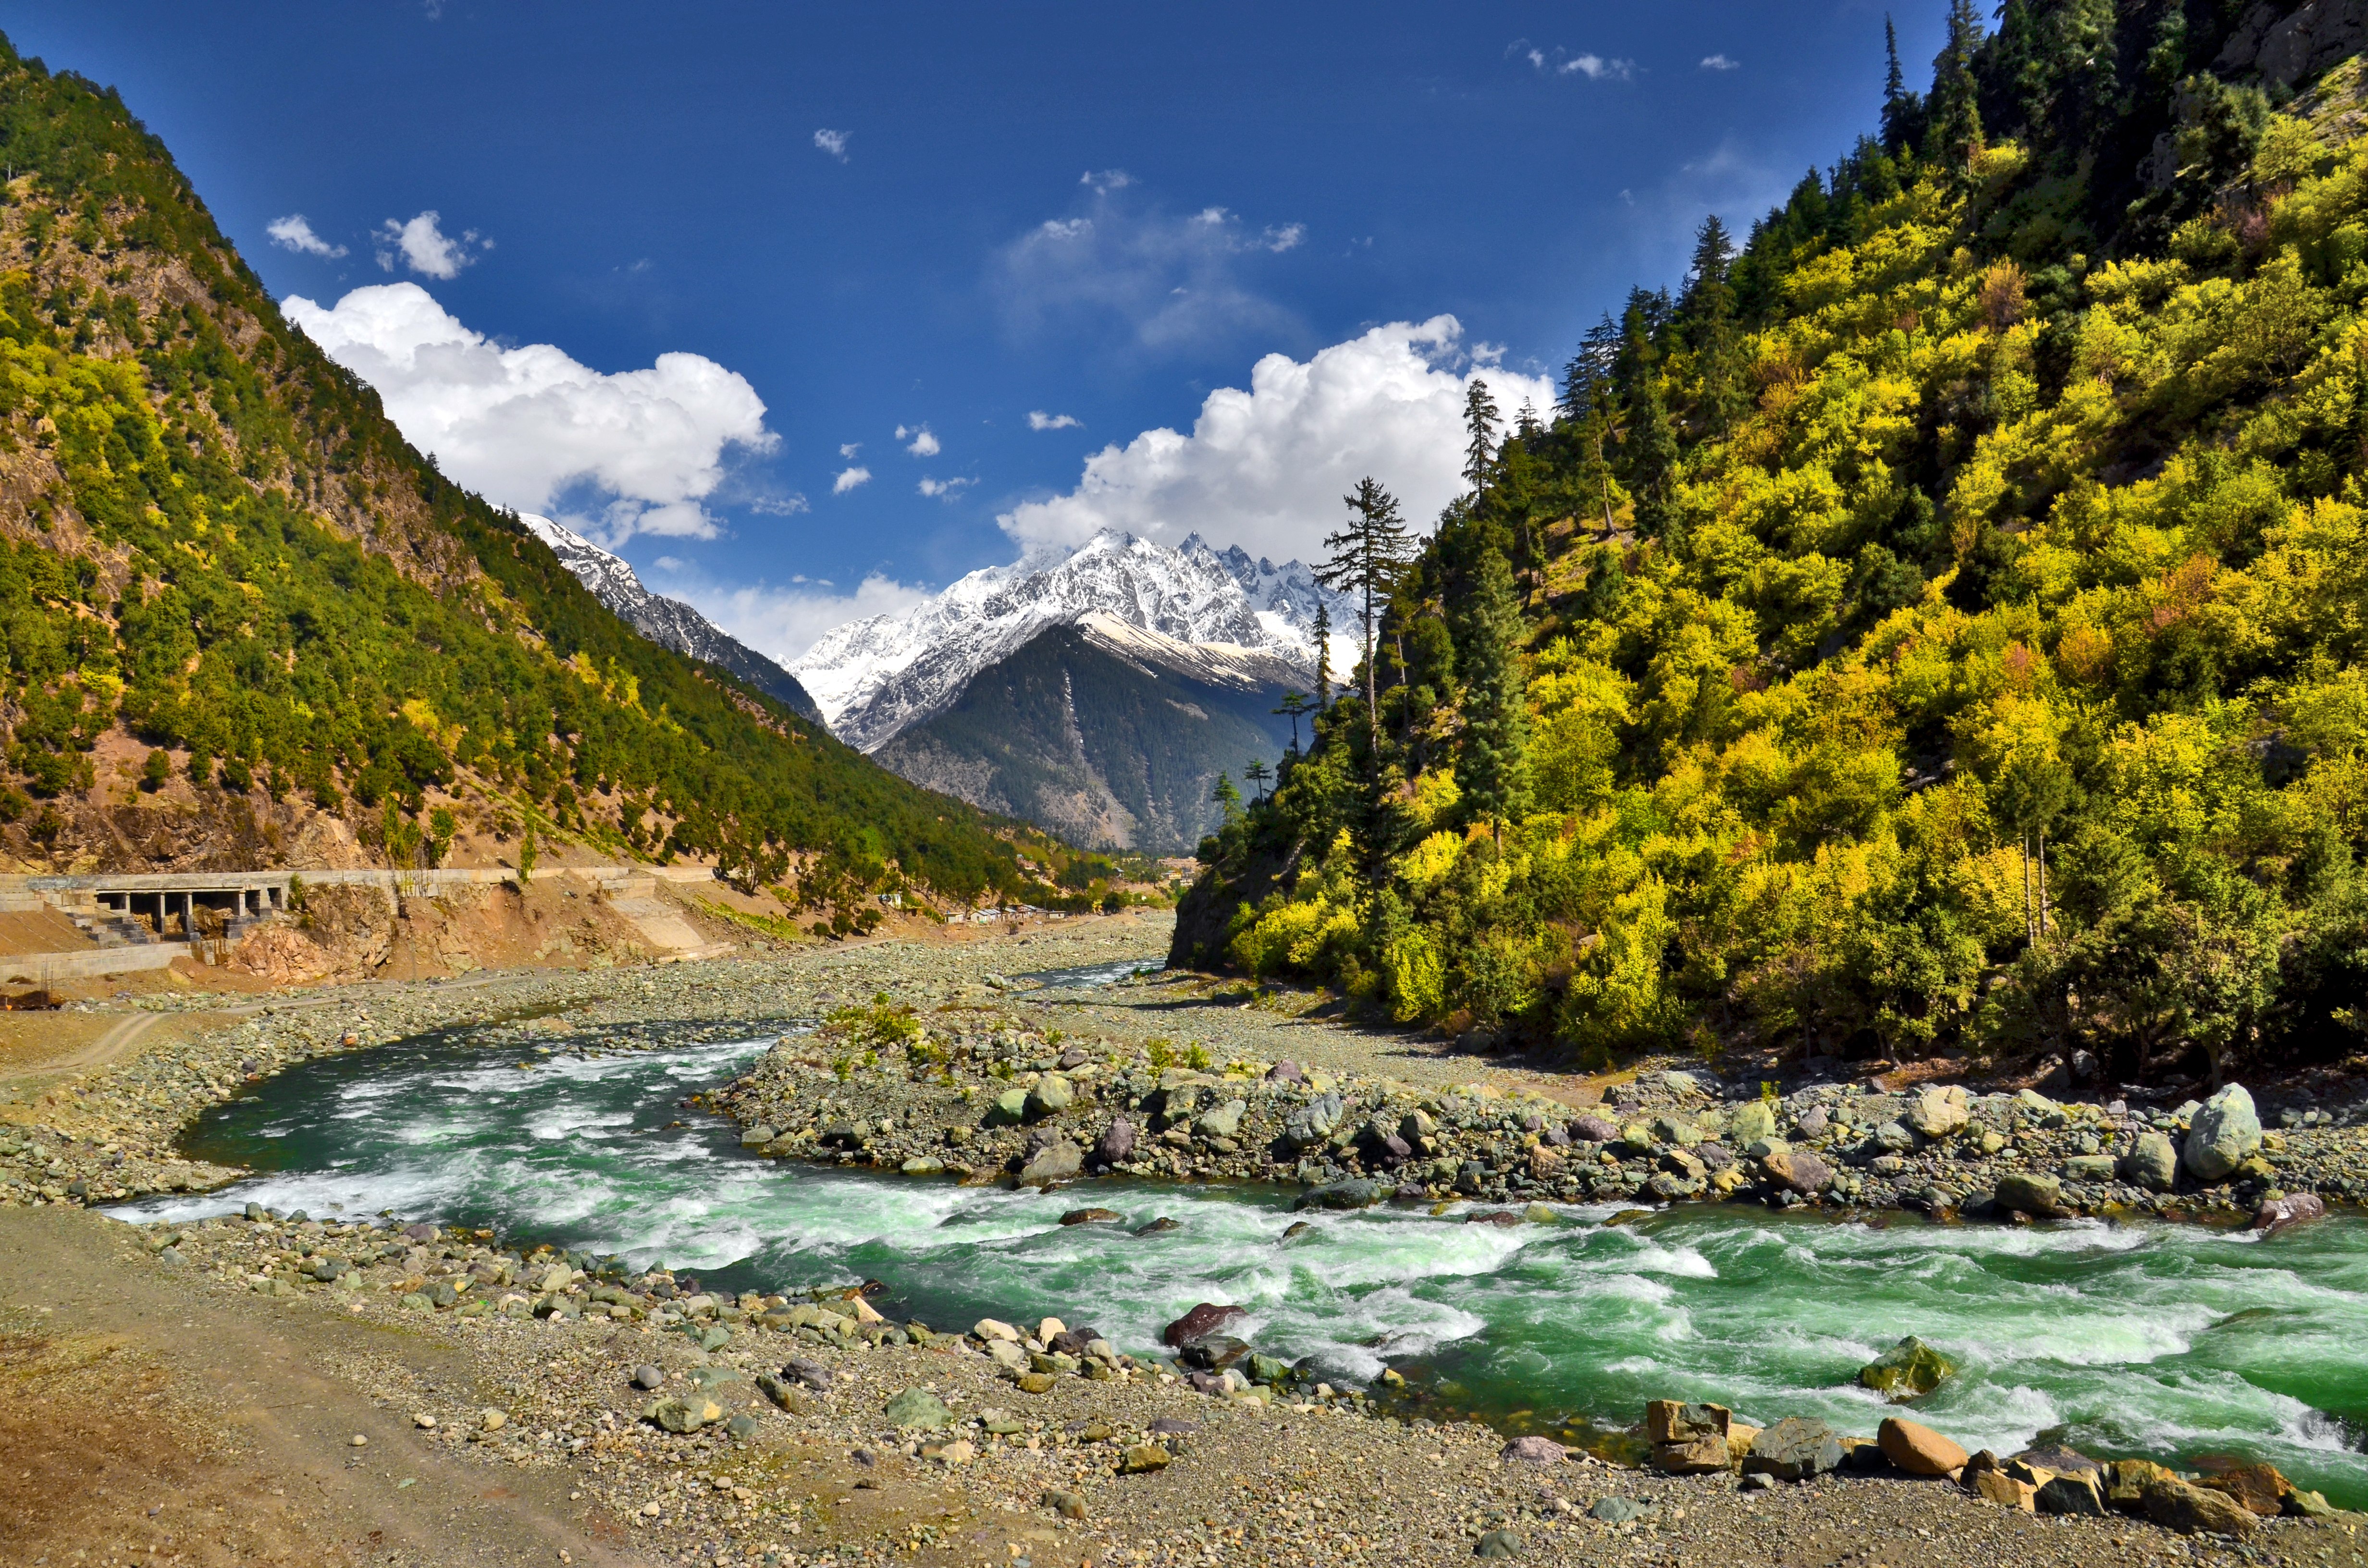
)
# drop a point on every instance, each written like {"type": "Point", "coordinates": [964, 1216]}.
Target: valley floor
{"type": "Point", "coordinates": [186, 1392]}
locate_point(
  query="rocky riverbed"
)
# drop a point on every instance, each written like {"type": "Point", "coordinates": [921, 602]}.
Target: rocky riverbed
{"type": "Point", "coordinates": [786, 1425]}
{"type": "Point", "coordinates": [808, 1428]}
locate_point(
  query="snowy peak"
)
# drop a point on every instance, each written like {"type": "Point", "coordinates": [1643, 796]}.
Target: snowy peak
{"type": "Point", "coordinates": [872, 678]}
{"type": "Point", "coordinates": [670, 623]}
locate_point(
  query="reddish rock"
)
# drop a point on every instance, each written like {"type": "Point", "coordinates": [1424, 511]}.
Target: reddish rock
{"type": "Point", "coordinates": [2294, 1208]}
{"type": "Point", "coordinates": [1206, 1318]}
{"type": "Point", "coordinates": [1916, 1448]}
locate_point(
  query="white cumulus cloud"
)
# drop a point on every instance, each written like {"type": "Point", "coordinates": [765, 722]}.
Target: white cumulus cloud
{"type": "Point", "coordinates": [1596, 68]}
{"type": "Point", "coordinates": [528, 427]}
{"type": "Point", "coordinates": [292, 233]}
{"type": "Point", "coordinates": [1039, 420]}
{"type": "Point", "coordinates": [1719, 63]}
{"type": "Point", "coordinates": [924, 444]}
{"type": "Point", "coordinates": [426, 248]}
{"type": "Point", "coordinates": [944, 489]}
{"type": "Point", "coordinates": [834, 142]}
{"type": "Point", "coordinates": [1103, 181]}
{"type": "Point", "coordinates": [1266, 468]}
{"type": "Point", "coordinates": [848, 477]}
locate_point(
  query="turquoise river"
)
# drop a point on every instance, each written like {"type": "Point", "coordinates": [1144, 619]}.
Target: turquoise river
{"type": "Point", "coordinates": [2146, 1339]}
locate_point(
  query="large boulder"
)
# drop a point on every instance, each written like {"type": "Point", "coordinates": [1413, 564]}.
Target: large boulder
{"type": "Point", "coordinates": [1116, 1145]}
{"type": "Point", "coordinates": [2258, 1487]}
{"type": "Point", "coordinates": [1056, 1159]}
{"type": "Point", "coordinates": [2027, 1192]}
{"type": "Point", "coordinates": [1221, 1122]}
{"type": "Point", "coordinates": [2151, 1162]}
{"type": "Point", "coordinates": [1344, 1195]}
{"type": "Point", "coordinates": [2222, 1135]}
{"type": "Point", "coordinates": [2295, 1209]}
{"type": "Point", "coordinates": [1916, 1448]}
{"type": "Point", "coordinates": [1795, 1448]}
{"type": "Point", "coordinates": [1052, 1096]}
{"type": "Point", "coordinates": [1590, 1127]}
{"type": "Point", "coordinates": [1940, 1112]}
{"type": "Point", "coordinates": [2191, 1510]}
{"type": "Point", "coordinates": [1314, 1122]}
{"type": "Point", "coordinates": [1533, 1449]}
{"type": "Point", "coordinates": [1907, 1370]}
{"type": "Point", "coordinates": [1797, 1170]}
{"type": "Point", "coordinates": [1751, 1122]}
{"type": "Point", "coordinates": [1204, 1320]}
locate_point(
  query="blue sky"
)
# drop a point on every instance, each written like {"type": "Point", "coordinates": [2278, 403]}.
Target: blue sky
{"type": "Point", "coordinates": [947, 218]}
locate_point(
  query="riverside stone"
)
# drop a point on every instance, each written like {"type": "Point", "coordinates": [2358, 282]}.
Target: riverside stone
{"type": "Point", "coordinates": [1116, 1145]}
{"type": "Point", "coordinates": [1056, 1161]}
{"type": "Point", "coordinates": [2151, 1162]}
{"type": "Point", "coordinates": [2294, 1208]}
{"type": "Point", "coordinates": [918, 1408]}
{"type": "Point", "coordinates": [2029, 1193]}
{"type": "Point", "coordinates": [1533, 1449]}
{"type": "Point", "coordinates": [1673, 1421]}
{"type": "Point", "coordinates": [2222, 1135]}
{"type": "Point", "coordinates": [1343, 1195]}
{"type": "Point", "coordinates": [1940, 1112]}
{"type": "Point", "coordinates": [2073, 1493]}
{"type": "Point", "coordinates": [1142, 1459]}
{"type": "Point", "coordinates": [1794, 1449]}
{"type": "Point", "coordinates": [1797, 1170]}
{"type": "Point", "coordinates": [2258, 1487]}
{"type": "Point", "coordinates": [1089, 1216]}
{"type": "Point", "coordinates": [1915, 1448]}
{"type": "Point", "coordinates": [2191, 1510]}
{"type": "Point", "coordinates": [1997, 1486]}
{"type": "Point", "coordinates": [1052, 1096]}
{"type": "Point", "coordinates": [1907, 1370]}
{"type": "Point", "coordinates": [1204, 1319]}
{"type": "Point", "coordinates": [1221, 1122]}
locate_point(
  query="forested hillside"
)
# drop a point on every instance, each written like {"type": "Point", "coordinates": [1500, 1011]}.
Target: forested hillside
{"type": "Point", "coordinates": [1934, 626]}
{"type": "Point", "coordinates": [234, 603]}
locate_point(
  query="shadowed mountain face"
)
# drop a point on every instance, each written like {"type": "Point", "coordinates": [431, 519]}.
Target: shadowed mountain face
{"type": "Point", "coordinates": [1107, 734]}
{"type": "Point", "coordinates": [670, 623]}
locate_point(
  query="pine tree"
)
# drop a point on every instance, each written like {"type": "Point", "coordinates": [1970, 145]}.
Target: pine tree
{"type": "Point", "coordinates": [1294, 704]}
{"type": "Point", "coordinates": [1953, 139]}
{"type": "Point", "coordinates": [1323, 655]}
{"type": "Point", "coordinates": [1708, 310]}
{"type": "Point", "coordinates": [1480, 424]}
{"type": "Point", "coordinates": [1227, 798]}
{"type": "Point", "coordinates": [1903, 111]}
{"type": "Point", "coordinates": [1651, 451]}
{"type": "Point", "coordinates": [1492, 763]}
{"type": "Point", "coordinates": [1367, 558]}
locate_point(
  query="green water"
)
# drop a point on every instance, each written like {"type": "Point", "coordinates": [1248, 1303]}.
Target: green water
{"type": "Point", "coordinates": [2158, 1340]}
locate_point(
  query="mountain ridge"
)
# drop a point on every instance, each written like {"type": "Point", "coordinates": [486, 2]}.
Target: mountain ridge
{"type": "Point", "coordinates": [875, 678]}
{"type": "Point", "coordinates": [668, 622]}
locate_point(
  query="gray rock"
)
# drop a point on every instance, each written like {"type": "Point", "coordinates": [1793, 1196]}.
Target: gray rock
{"type": "Point", "coordinates": [2152, 1164]}
{"type": "Point", "coordinates": [1116, 1145]}
{"type": "Point", "coordinates": [1052, 1096]}
{"type": "Point", "coordinates": [1894, 1138]}
{"type": "Point", "coordinates": [2091, 1167]}
{"type": "Point", "coordinates": [1940, 1112]}
{"type": "Point", "coordinates": [1057, 1160]}
{"type": "Point", "coordinates": [1622, 1510]}
{"type": "Point", "coordinates": [918, 1408]}
{"type": "Point", "coordinates": [1795, 1448]}
{"type": "Point", "coordinates": [2029, 1193]}
{"type": "Point", "coordinates": [647, 1377]}
{"type": "Point", "coordinates": [1011, 1106]}
{"type": "Point", "coordinates": [813, 1374]}
{"type": "Point", "coordinates": [2223, 1134]}
{"type": "Point", "coordinates": [1592, 1129]}
{"type": "Point", "coordinates": [1344, 1195]}
{"type": "Point", "coordinates": [1498, 1543]}
{"type": "Point", "coordinates": [1223, 1121]}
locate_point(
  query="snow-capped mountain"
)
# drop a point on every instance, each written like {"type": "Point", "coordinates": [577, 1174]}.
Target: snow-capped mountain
{"type": "Point", "coordinates": [670, 623]}
{"type": "Point", "coordinates": [872, 678]}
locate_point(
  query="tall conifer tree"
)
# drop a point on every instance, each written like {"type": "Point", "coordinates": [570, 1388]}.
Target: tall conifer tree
{"type": "Point", "coordinates": [1492, 763]}
{"type": "Point", "coordinates": [1367, 558]}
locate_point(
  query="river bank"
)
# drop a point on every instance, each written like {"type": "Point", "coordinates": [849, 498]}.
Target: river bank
{"type": "Point", "coordinates": [1430, 1492]}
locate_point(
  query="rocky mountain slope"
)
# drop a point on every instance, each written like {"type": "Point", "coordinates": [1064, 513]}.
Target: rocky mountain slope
{"type": "Point", "coordinates": [876, 677]}
{"type": "Point", "coordinates": [245, 622]}
{"type": "Point", "coordinates": [1104, 733]}
{"type": "Point", "coordinates": [668, 622]}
